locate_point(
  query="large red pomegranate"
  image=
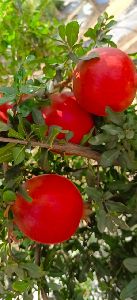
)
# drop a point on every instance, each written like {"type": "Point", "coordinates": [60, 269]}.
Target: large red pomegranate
{"type": "Point", "coordinates": [110, 80]}
{"type": "Point", "coordinates": [54, 214]}
{"type": "Point", "coordinates": [64, 111]}
{"type": "Point", "coordinates": [3, 110]}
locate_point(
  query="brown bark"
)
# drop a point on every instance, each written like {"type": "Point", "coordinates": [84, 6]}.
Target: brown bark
{"type": "Point", "coordinates": [67, 148]}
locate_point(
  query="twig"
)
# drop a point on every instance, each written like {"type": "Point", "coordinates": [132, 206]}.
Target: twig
{"type": "Point", "coordinates": [5, 168]}
{"type": "Point", "coordinates": [37, 256]}
{"type": "Point", "coordinates": [44, 296]}
{"type": "Point", "coordinates": [67, 148]}
{"type": "Point", "coordinates": [63, 83]}
{"type": "Point", "coordinates": [98, 176]}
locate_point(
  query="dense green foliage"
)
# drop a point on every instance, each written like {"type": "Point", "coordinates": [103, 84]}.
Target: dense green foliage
{"type": "Point", "coordinates": [101, 259]}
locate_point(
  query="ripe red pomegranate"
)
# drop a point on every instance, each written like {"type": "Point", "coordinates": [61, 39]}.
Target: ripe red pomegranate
{"type": "Point", "coordinates": [54, 214]}
{"type": "Point", "coordinates": [65, 112]}
{"type": "Point", "coordinates": [110, 80]}
{"type": "Point", "coordinates": [3, 110]}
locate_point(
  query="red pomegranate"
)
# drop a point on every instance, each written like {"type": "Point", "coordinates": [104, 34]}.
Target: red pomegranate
{"type": "Point", "coordinates": [65, 112]}
{"type": "Point", "coordinates": [54, 214]}
{"type": "Point", "coordinates": [110, 80]}
{"type": "Point", "coordinates": [3, 110]}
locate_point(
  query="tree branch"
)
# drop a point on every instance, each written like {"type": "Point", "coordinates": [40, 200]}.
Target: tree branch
{"type": "Point", "coordinates": [67, 148]}
{"type": "Point", "coordinates": [44, 296]}
{"type": "Point", "coordinates": [37, 256]}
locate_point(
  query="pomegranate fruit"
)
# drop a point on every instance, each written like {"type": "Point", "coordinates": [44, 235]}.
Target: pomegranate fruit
{"type": "Point", "coordinates": [110, 80]}
{"type": "Point", "coordinates": [54, 214]}
{"type": "Point", "coordinates": [65, 112]}
{"type": "Point", "coordinates": [3, 110]}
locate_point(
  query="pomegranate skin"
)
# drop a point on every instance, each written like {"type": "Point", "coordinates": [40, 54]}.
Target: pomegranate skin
{"type": "Point", "coordinates": [54, 214]}
{"type": "Point", "coordinates": [110, 80]}
{"type": "Point", "coordinates": [65, 112]}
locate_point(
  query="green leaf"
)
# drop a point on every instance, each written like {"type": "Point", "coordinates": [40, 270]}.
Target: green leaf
{"type": "Point", "coordinates": [112, 129]}
{"type": "Point", "coordinates": [12, 268]}
{"type": "Point", "coordinates": [90, 56]}
{"type": "Point", "coordinates": [43, 160]}
{"type": "Point", "coordinates": [6, 148]}
{"type": "Point", "coordinates": [118, 221]}
{"type": "Point", "coordinates": [19, 76]}
{"type": "Point", "coordinates": [130, 290]}
{"type": "Point", "coordinates": [28, 89]}
{"type": "Point", "coordinates": [131, 264]}
{"type": "Point", "coordinates": [62, 32]}
{"type": "Point", "coordinates": [99, 139]}
{"type": "Point", "coordinates": [37, 116]}
{"type": "Point", "coordinates": [73, 57]}
{"type": "Point", "coordinates": [24, 194]}
{"type": "Point", "coordinates": [13, 133]}
{"type": "Point", "coordinates": [20, 286]}
{"type": "Point", "coordinates": [110, 224]}
{"type": "Point", "coordinates": [30, 58]}
{"type": "Point", "coordinates": [9, 196]}
{"type": "Point", "coordinates": [90, 33]}
{"type": "Point", "coordinates": [107, 195]}
{"type": "Point", "coordinates": [101, 217]}
{"type": "Point", "coordinates": [54, 286]}
{"type": "Point", "coordinates": [116, 206]}
{"type": "Point", "coordinates": [127, 160]}
{"type": "Point", "coordinates": [117, 118]}
{"type": "Point", "coordinates": [69, 135]}
{"type": "Point", "coordinates": [6, 98]}
{"type": "Point", "coordinates": [1, 289]}
{"type": "Point", "coordinates": [130, 134]}
{"type": "Point", "coordinates": [4, 127]}
{"type": "Point", "coordinates": [111, 23]}
{"type": "Point", "coordinates": [27, 297]}
{"type": "Point", "coordinates": [53, 132]}
{"type": "Point", "coordinates": [109, 157]}
{"type": "Point", "coordinates": [39, 130]}
{"type": "Point", "coordinates": [120, 186]}
{"type": "Point", "coordinates": [95, 194]}
{"type": "Point", "coordinates": [72, 31]}
{"type": "Point", "coordinates": [8, 90]}
{"type": "Point", "coordinates": [6, 153]}
{"type": "Point", "coordinates": [21, 128]}
{"type": "Point", "coordinates": [34, 271]}
{"type": "Point", "coordinates": [18, 154]}
{"type": "Point", "coordinates": [87, 136]}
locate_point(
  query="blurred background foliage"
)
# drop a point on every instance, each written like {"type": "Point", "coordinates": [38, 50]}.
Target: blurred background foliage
{"type": "Point", "coordinates": [26, 32]}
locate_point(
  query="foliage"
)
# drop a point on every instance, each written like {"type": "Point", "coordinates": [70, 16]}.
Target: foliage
{"type": "Point", "coordinates": [101, 258]}
{"type": "Point", "coordinates": [26, 30]}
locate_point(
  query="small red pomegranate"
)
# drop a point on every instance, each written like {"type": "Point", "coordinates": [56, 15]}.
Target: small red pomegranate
{"type": "Point", "coordinates": [54, 214]}
{"type": "Point", "coordinates": [65, 112]}
{"type": "Point", "coordinates": [110, 80]}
